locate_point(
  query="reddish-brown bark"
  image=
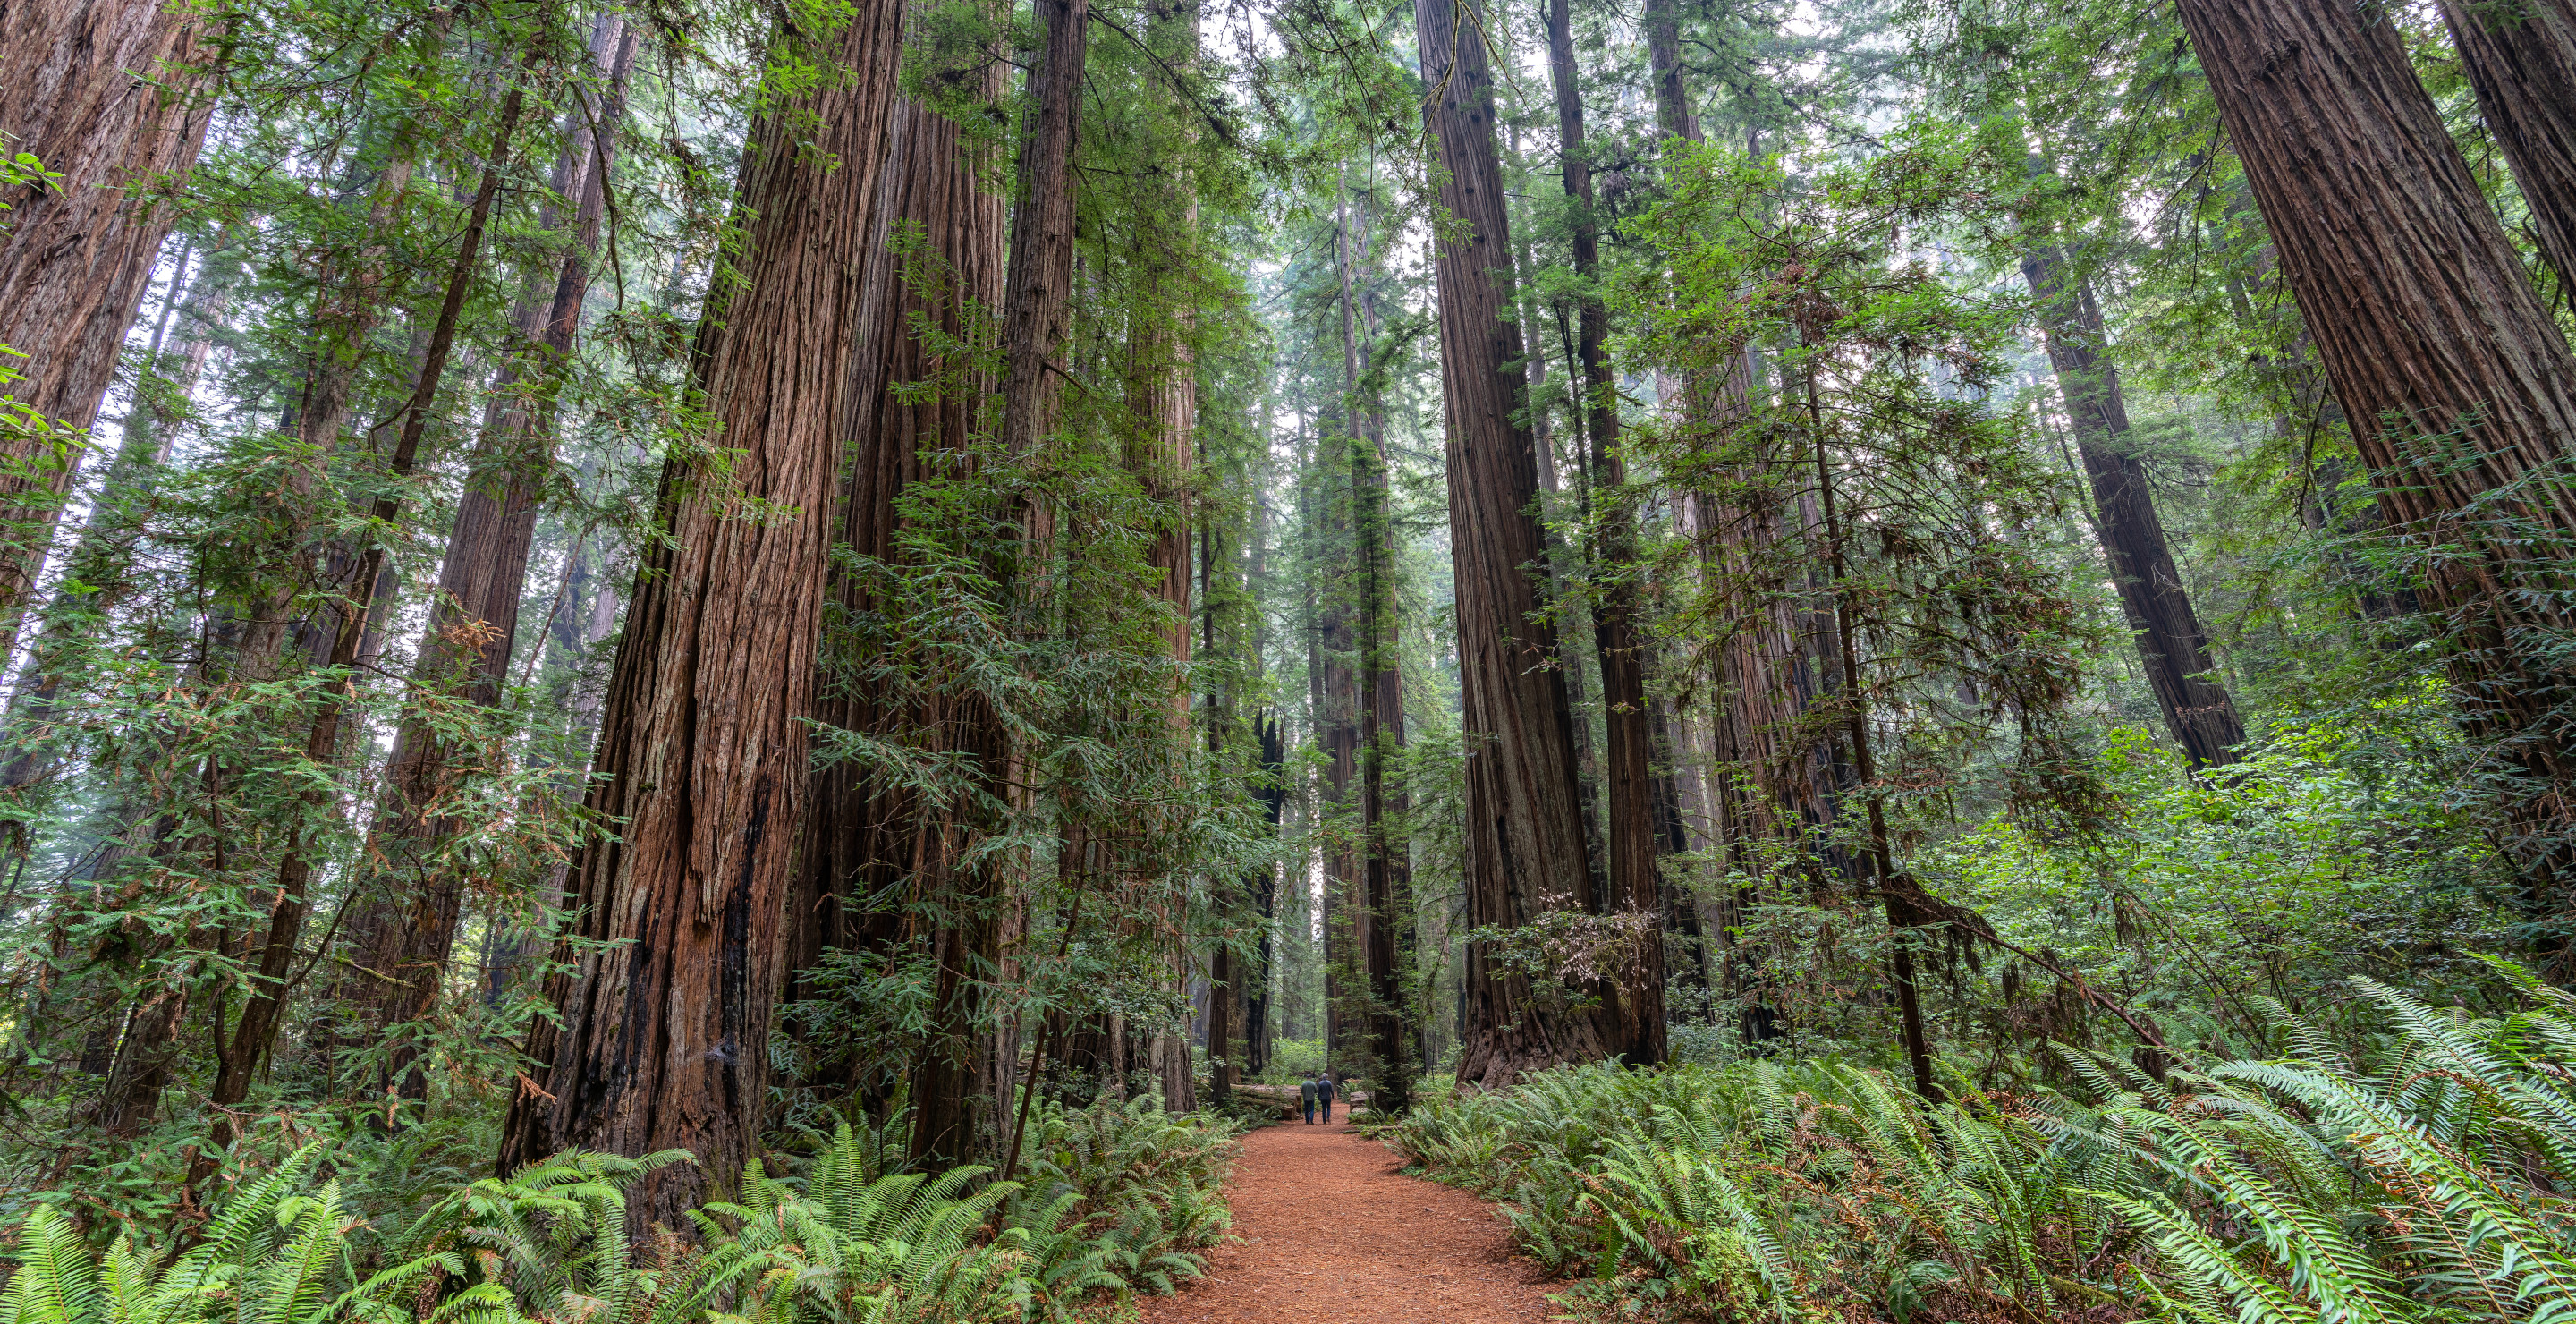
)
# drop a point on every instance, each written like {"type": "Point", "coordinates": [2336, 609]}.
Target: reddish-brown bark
{"type": "Point", "coordinates": [1162, 454]}
{"type": "Point", "coordinates": [98, 90]}
{"type": "Point", "coordinates": [1381, 921]}
{"type": "Point", "coordinates": [2460, 390]}
{"type": "Point", "coordinates": [1525, 836]}
{"type": "Point", "coordinates": [661, 1036]}
{"type": "Point", "coordinates": [2521, 59]}
{"type": "Point", "coordinates": [1635, 882]}
{"type": "Point", "coordinates": [868, 839]}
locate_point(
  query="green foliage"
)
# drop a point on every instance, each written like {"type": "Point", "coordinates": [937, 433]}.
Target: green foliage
{"type": "Point", "coordinates": [1116, 1203]}
{"type": "Point", "coordinates": [2428, 1186]}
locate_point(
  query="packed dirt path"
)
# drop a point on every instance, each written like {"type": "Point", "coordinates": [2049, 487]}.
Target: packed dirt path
{"type": "Point", "coordinates": [1327, 1231]}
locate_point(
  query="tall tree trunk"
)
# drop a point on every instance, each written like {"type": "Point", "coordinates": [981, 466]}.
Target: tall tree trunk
{"type": "Point", "coordinates": [1037, 300]}
{"type": "Point", "coordinates": [867, 838]}
{"type": "Point", "coordinates": [1525, 852]}
{"type": "Point", "coordinates": [1674, 116]}
{"type": "Point", "coordinates": [402, 938]}
{"type": "Point", "coordinates": [662, 1028]}
{"type": "Point", "coordinates": [2521, 59]}
{"type": "Point", "coordinates": [1630, 843]}
{"type": "Point", "coordinates": [1769, 777]}
{"type": "Point", "coordinates": [2461, 391]}
{"type": "Point", "coordinates": [1386, 873]}
{"type": "Point", "coordinates": [76, 254]}
{"type": "Point", "coordinates": [2172, 648]}
{"type": "Point", "coordinates": [256, 1032]}
{"type": "Point", "coordinates": [1163, 460]}
{"type": "Point", "coordinates": [1257, 1027]}
{"type": "Point", "coordinates": [1224, 971]}
{"type": "Point", "coordinates": [1852, 699]}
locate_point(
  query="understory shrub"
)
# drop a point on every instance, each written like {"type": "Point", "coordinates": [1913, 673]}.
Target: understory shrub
{"type": "Point", "coordinates": [1113, 1201]}
{"type": "Point", "coordinates": [2430, 1184]}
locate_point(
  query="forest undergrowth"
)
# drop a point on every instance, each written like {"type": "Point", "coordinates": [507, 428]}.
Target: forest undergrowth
{"type": "Point", "coordinates": [1113, 1200]}
{"type": "Point", "coordinates": [2424, 1177]}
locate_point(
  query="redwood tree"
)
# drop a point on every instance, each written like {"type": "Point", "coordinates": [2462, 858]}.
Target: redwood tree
{"type": "Point", "coordinates": [1633, 878]}
{"type": "Point", "coordinates": [98, 91]}
{"type": "Point", "coordinates": [866, 837]}
{"type": "Point", "coordinates": [2173, 650]}
{"type": "Point", "coordinates": [2521, 57]}
{"type": "Point", "coordinates": [660, 1040]}
{"type": "Point", "coordinates": [1525, 831]}
{"type": "Point", "coordinates": [2460, 389]}
{"type": "Point", "coordinates": [1380, 923]}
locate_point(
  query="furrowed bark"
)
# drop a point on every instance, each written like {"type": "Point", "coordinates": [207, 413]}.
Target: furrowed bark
{"type": "Point", "coordinates": [868, 839]}
{"type": "Point", "coordinates": [661, 1039]}
{"type": "Point", "coordinates": [99, 91]}
{"type": "Point", "coordinates": [1525, 833]}
{"type": "Point", "coordinates": [1629, 845]}
{"type": "Point", "coordinates": [1162, 456]}
{"type": "Point", "coordinates": [2521, 59]}
{"type": "Point", "coordinates": [2460, 390]}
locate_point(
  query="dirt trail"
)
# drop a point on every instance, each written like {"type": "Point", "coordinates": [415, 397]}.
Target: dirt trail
{"type": "Point", "coordinates": [1328, 1232]}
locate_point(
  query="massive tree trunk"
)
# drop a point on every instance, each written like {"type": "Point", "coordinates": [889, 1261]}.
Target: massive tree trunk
{"type": "Point", "coordinates": [75, 254]}
{"type": "Point", "coordinates": [1629, 844]}
{"type": "Point", "coordinates": [2521, 58]}
{"type": "Point", "coordinates": [1525, 853]}
{"type": "Point", "coordinates": [1771, 777]}
{"type": "Point", "coordinates": [2172, 648]}
{"type": "Point", "coordinates": [661, 1040]}
{"type": "Point", "coordinates": [402, 937]}
{"type": "Point", "coordinates": [867, 838]}
{"type": "Point", "coordinates": [2461, 391]}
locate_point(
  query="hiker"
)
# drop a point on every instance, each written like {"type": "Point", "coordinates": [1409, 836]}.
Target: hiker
{"type": "Point", "coordinates": [1306, 1097]}
{"type": "Point", "coordinates": [1324, 1096]}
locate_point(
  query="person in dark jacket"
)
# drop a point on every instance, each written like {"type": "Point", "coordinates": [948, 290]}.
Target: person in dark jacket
{"type": "Point", "coordinates": [1306, 1097]}
{"type": "Point", "coordinates": [1324, 1096]}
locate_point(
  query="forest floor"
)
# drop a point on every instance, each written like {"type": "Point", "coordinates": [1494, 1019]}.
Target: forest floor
{"type": "Point", "coordinates": [1326, 1229]}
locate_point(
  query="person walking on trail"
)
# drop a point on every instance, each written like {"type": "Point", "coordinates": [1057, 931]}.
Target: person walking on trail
{"type": "Point", "coordinates": [1324, 1096]}
{"type": "Point", "coordinates": [1306, 1097]}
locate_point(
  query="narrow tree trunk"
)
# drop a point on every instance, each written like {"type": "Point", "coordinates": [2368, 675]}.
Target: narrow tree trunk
{"type": "Point", "coordinates": [2521, 59]}
{"type": "Point", "coordinates": [1257, 1027]}
{"type": "Point", "coordinates": [2172, 648]}
{"type": "Point", "coordinates": [1629, 844]}
{"type": "Point", "coordinates": [402, 941]}
{"type": "Point", "coordinates": [1853, 700]}
{"type": "Point", "coordinates": [2461, 391]}
{"type": "Point", "coordinates": [1386, 874]}
{"type": "Point", "coordinates": [1525, 852]}
{"type": "Point", "coordinates": [661, 1036]}
{"type": "Point", "coordinates": [75, 255]}
{"type": "Point", "coordinates": [1161, 351]}
{"type": "Point", "coordinates": [257, 1030]}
